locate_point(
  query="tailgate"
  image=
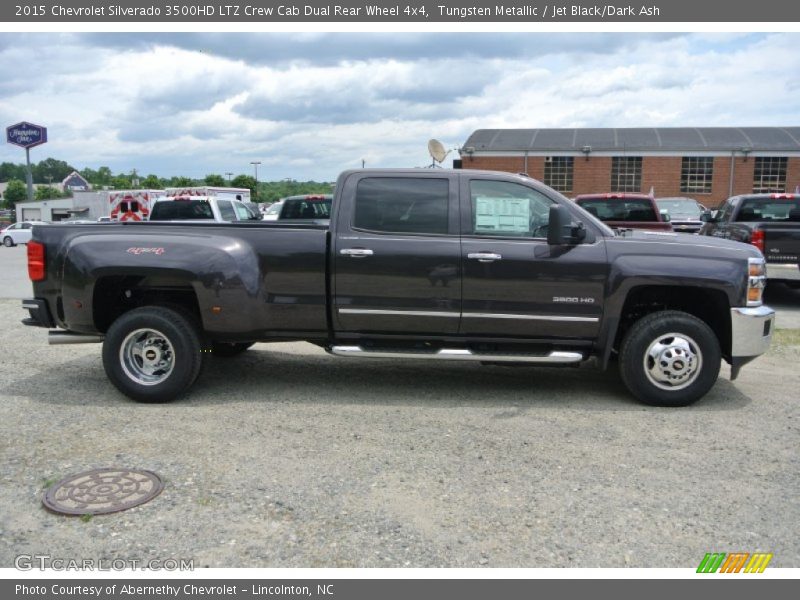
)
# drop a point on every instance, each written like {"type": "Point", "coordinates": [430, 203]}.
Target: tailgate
{"type": "Point", "coordinates": [781, 242]}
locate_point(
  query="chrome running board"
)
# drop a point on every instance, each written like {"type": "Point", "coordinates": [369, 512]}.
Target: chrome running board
{"type": "Point", "coordinates": [553, 357]}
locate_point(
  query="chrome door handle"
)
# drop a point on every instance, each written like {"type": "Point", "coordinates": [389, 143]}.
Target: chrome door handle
{"type": "Point", "coordinates": [485, 256]}
{"type": "Point", "coordinates": [356, 252]}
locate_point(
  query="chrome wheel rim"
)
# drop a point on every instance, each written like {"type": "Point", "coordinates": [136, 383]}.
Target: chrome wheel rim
{"type": "Point", "coordinates": [673, 361]}
{"type": "Point", "coordinates": [147, 356]}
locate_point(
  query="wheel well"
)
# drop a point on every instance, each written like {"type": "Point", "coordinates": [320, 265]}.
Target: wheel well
{"type": "Point", "coordinates": [710, 306]}
{"type": "Point", "coordinates": [116, 295]}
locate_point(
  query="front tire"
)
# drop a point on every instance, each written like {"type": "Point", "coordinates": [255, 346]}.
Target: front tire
{"type": "Point", "coordinates": [152, 354]}
{"type": "Point", "coordinates": [8, 242]}
{"type": "Point", "coordinates": [669, 358]}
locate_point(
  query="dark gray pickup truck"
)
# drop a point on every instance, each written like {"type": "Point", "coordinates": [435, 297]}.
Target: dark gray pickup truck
{"type": "Point", "coordinates": [771, 222]}
{"type": "Point", "coordinates": [426, 264]}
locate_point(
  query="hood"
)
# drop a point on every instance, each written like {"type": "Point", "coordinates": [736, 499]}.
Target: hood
{"type": "Point", "coordinates": [691, 245]}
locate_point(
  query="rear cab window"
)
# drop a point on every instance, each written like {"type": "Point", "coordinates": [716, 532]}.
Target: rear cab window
{"type": "Point", "coordinates": [402, 205]}
{"type": "Point", "coordinates": [181, 210]}
{"type": "Point", "coordinates": [769, 209]}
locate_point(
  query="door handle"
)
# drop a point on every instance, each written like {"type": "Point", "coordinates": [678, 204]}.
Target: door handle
{"type": "Point", "coordinates": [485, 256]}
{"type": "Point", "coordinates": [356, 252]}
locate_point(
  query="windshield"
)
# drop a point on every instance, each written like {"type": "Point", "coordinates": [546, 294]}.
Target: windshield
{"type": "Point", "coordinates": [680, 206]}
{"type": "Point", "coordinates": [620, 210]}
{"type": "Point", "coordinates": [170, 210]}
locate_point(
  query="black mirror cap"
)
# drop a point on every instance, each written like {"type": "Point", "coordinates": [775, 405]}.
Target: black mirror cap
{"type": "Point", "coordinates": [561, 230]}
{"type": "Point", "coordinates": [707, 217]}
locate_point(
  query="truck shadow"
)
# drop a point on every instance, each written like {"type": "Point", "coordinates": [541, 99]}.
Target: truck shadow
{"type": "Point", "coordinates": [264, 375]}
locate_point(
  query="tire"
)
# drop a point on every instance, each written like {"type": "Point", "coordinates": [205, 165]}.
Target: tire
{"type": "Point", "coordinates": [8, 242]}
{"type": "Point", "coordinates": [152, 354]}
{"type": "Point", "coordinates": [228, 349]}
{"type": "Point", "coordinates": [669, 358]}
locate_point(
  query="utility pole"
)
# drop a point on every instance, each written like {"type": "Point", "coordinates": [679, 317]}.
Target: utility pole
{"type": "Point", "coordinates": [229, 174]}
{"type": "Point", "coordinates": [255, 164]}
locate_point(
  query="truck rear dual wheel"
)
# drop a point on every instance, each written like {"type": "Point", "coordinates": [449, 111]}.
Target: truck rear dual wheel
{"type": "Point", "coordinates": [152, 354]}
{"type": "Point", "coordinates": [669, 358]}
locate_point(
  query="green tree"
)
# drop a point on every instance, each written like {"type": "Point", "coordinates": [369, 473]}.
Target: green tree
{"type": "Point", "coordinates": [47, 192]}
{"type": "Point", "coordinates": [9, 171]}
{"type": "Point", "coordinates": [180, 181]}
{"type": "Point", "coordinates": [16, 192]}
{"type": "Point", "coordinates": [215, 180]}
{"type": "Point", "coordinates": [245, 181]}
{"type": "Point", "coordinates": [51, 169]}
{"type": "Point", "coordinates": [152, 182]}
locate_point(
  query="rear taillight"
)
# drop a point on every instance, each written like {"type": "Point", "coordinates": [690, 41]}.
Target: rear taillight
{"type": "Point", "coordinates": [757, 239]}
{"type": "Point", "coordinates": [36, 270]}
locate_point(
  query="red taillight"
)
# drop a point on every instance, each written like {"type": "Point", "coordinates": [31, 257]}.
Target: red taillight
{"type": "Point", "coordinates": [36, 261]}
{"type": "Point", "coordinates": [757, 239]}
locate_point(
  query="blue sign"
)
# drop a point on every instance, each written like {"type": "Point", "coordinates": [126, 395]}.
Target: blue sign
{"type": "Point", "coordinates": [26, 135]}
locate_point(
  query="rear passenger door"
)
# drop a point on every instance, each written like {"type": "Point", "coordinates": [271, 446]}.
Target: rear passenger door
{"type": "Point", "coordinates": [396, 255]}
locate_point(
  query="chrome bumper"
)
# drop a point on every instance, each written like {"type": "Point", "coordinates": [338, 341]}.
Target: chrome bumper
{"type": "Point", "coordinates": [790, 272]}
{"type": "Point", "coordinates": [751, 331]}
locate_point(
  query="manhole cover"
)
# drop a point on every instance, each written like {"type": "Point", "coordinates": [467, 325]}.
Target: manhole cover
{"type": "Point", "coordinates": [102, 491]}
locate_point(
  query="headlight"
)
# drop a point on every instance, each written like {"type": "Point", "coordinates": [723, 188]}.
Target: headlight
{"type": "Point", "coordinates": [756, 280]}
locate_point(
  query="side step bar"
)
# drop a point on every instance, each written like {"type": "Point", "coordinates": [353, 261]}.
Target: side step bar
{"type": "Point", "coordinates": [554, 357]}
{"type": "Point", "coordinates": [70, 337]}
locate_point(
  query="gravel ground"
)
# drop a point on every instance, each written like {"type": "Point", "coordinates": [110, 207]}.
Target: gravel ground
{"type": "Point", "coordinates": [287, 457]}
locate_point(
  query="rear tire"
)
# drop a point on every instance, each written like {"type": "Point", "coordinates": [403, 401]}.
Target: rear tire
{"type": "Point", "coordinates": [152, 354]}
{"type": "Point", "coordinates": [8, 242]}
{"type": "Point", "coordinates": [228, 349]}
{"type": "Point", "coordinates": [669, 358]}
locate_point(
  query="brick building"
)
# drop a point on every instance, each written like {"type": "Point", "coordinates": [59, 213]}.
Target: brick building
{"type": "Point", "coordinates": [707, 163]}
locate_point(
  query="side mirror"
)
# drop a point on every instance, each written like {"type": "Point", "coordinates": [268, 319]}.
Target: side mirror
{"type": "Point", "coordinates": [561, 230]}
{"type": "Point", "coordinates": [708, 216]}
{"type": "Point", "coordinates": [665, 215]}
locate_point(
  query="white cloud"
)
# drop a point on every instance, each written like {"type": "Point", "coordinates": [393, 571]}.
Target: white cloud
{"type": "Point", "coordinates": [194, 105]}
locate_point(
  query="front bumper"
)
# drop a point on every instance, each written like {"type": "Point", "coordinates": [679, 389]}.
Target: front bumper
{"type": "Point", "coordinates": [783, 272]}
{"type": "Point", "coordinates": [751, 332]}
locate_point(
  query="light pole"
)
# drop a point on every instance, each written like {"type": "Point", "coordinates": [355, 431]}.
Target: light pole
{"type": "Point", "coordinates": [255, 164]}
{"type": "Point", "coordinates": [49, 185]}
{"type": "Point", "coordinates": [229, 174]}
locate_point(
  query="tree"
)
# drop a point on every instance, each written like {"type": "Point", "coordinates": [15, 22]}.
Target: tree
{"type": "Point", "coordinates": [9, 171]}
{"type": "Point", "coordinates": [152, 182]}
{"type": "Point", "coordinates": [215, 180]}
{"type": "Point", "coordinates": [179, 181]}
{"type": "Point", "coordinates": [50, 170]}
{"type": "Point", "coordinates": [47, 192]}
{"type": "Point", "coordinates": [245, 181]}
{"type": "Point", "coordinates": [16, 192]}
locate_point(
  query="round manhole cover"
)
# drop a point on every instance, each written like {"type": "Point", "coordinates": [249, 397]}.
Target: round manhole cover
{"type": "Point", "coordinates": [102, 491]}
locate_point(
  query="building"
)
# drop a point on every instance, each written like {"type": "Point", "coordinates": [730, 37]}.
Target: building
{"type": "Point", "coordinates": [82, 205]}
{"type": "Point", "coordinates": [707, 163]}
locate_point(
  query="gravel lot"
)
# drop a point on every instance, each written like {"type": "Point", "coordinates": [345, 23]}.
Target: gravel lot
{"type": "Point", "coordinates": [287, 457]}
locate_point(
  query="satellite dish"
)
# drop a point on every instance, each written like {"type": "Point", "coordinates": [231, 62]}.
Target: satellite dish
{"type": "Point", "coordinates": [437, 151]}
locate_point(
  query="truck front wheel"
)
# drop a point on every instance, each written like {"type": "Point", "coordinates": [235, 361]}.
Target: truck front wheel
{"type": "Point", "coordinates": [669, 358]}
{"type": "Point", "coordinates": [152, 354]}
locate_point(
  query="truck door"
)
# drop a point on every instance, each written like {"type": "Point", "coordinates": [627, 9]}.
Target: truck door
{"type": "Point", "coordinates": [515, 284]}
{"type": "Point", "coordinates": [396, 255]}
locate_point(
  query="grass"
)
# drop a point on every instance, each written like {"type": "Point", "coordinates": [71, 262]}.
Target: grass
{"type": "Point", "coordinates": [786, 337]}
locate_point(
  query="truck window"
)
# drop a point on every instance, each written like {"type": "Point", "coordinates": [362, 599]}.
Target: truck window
{"type": "Point", "coordinates": [226, 210]}
{"type": "Point", "coordinates": [501, 208]}
{"type": "Point", "coordinates": [169, 210]}
{"type": "Point", "coordinates": [241, 211]}
{"type": "Point", "coordinates": [402, 205]}
{"type": "Point", "coordinates": [757, 209]}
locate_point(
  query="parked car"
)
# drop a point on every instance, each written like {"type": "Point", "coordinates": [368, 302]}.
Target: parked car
{"type": "Point", "coordinates": [625, 210]}
{"type": "Point", "coordinates": [771, 223]}
{"type": "Point", "coordinates": [272, 213]}
{"type": "Point", "coordinates": [18, 233]}
{"type": "Point", "coordinates": [429, 264]}
{"type": "Point", "coordinates": [201, 208]}
{"type": "Point", "coordinates": [684, 213]}
{"type": "Point", "coordinates": [306, 207]}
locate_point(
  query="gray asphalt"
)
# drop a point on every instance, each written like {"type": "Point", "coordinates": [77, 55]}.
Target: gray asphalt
{"type": "Point", "coordinates": [285, 456]}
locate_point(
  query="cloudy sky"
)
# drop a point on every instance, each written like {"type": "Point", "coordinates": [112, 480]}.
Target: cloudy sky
{"type": "Point", "coordinates": [309, 105]}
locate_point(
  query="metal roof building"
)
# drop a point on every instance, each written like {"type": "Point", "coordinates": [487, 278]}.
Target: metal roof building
{"type": "Point", "coordinates": [645, 139]}
{"type": "Point", "coordinates": [707, 163]}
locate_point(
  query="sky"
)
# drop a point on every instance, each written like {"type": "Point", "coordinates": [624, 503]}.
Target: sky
{"type": "Point", "coordinates": [309, 105]}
